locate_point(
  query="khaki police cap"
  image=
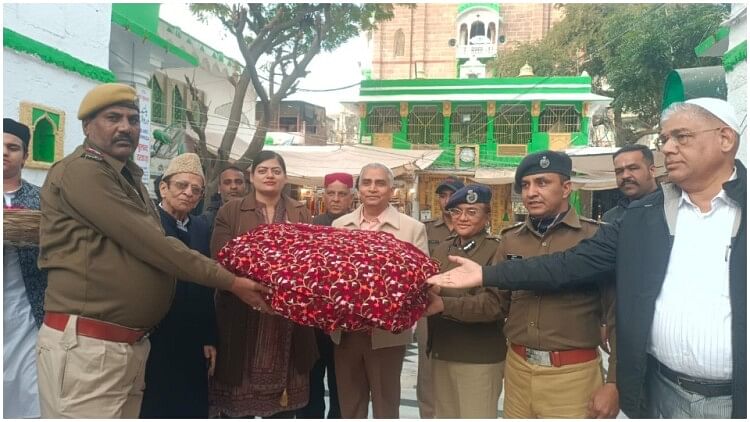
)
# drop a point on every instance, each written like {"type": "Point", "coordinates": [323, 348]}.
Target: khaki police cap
{"type": "Point", "coordinates": [106, 95]}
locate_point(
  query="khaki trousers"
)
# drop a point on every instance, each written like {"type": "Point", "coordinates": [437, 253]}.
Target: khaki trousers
{"type": "Point", "coordinates": [534, 391]}
{"type": "Point", "coordinates": [467, 390]}
{"type": "Point", "coordinates": [82, 377]}
{"type": "Point", "coordinates": [363, 373]}
{"type": "Point", "coordinates": [424, 374]}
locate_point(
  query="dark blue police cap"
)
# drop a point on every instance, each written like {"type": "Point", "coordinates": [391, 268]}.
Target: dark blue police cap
{"type": "Point", "coordinates": [543, 162]}
{"type": "Point", "coordinates": [471, 194]}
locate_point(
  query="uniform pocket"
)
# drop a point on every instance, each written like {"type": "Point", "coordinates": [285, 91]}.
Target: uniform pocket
{"type": "Point", "coordinates": [82, 366]}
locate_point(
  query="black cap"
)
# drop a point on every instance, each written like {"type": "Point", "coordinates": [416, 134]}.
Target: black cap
{"type": "Point", "coordinates": [543, 162]}
{"type": "Point", "coordinates": [450, 183]}
{"type": "Point", "coordinates": [471, 194]}
{"type": "Point", "coordinates": [18, 129]}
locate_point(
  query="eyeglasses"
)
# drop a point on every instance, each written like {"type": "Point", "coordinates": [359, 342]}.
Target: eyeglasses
{"type": "Point", "coordinates": [194, 189]}
{"type": "Point", "coordinates": [682, 138]}
{"type": "Point", "coordinates": [470, 212]}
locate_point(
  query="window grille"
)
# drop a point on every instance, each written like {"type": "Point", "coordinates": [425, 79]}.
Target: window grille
{"type": "Point", "coordinates": [512, 125]}
{"type": "Point", "coordinates": [157, 102]}
{"type": "Point", "coordinates": [385, 119]}
{"type": "Point", "coordinates": [468, 125]}
{"type": "Point", "coordinates": [398, 43]}
{"type": "Point", "coordinates": [178, 108]}
{"type": "Point", "coordinates": [425, 125]}
{"type": "Point", "coordinates": [560, 119]}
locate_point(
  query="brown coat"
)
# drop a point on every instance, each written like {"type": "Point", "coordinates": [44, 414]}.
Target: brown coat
{"type": "Point", "coordinates": [557, 320]}
{"type": "Point", "coordinates": [104, 247]}
{"type": "Point", "coordinates": [437, 231]}
{"type": "Point", "coordinates": [470, 328]}
{"type": "Point", "coordinates": [403, 228]}
{"type": "Point", "coordinates": [233, 316]}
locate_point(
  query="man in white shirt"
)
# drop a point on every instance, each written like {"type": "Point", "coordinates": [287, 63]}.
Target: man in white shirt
{"type": "Point", "coordinates": [23, 285]}
{"type": "Point", "coordinates": [680, 258]}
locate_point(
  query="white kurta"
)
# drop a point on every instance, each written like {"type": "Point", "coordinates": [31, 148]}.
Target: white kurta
{"type": "Point", "coordinates": [20, 392]}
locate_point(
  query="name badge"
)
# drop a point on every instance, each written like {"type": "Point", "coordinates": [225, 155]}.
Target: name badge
{"type": "Point", "coordinates": [511, 257]}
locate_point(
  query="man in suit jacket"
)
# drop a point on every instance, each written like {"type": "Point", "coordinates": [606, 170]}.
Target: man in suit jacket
{"type": "Point", "coordinates": [368, 363]}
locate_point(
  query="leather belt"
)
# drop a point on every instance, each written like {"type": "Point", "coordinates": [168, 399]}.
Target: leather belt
{"type": "Point", "coordinates": [554, 358]}
{"type": "Point", "coordinates": [706, 388]}
{"type": "Point", "coordinates": [93, 328]}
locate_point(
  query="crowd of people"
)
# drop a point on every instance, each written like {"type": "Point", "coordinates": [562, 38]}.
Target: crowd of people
{"type": "Point", "coordinates": [122, 312]}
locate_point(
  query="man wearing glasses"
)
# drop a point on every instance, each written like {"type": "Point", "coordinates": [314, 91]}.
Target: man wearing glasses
{"type": "Point", "coordinates": [553, 368]}
{"type": "Point", "coordinates": [680, 259]}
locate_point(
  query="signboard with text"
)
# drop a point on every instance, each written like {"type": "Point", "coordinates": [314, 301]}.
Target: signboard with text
{"type": "Point", "coordinates": [142, 155]}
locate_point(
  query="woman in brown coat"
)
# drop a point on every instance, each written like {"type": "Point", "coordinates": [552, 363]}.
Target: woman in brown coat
{"type": "Point", "coordinates": [263, 360]}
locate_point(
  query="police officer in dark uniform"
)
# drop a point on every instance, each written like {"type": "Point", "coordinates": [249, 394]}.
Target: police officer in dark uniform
{"type": "Point", "coordinates": [466, 344]}
{"type": "Point", "coordinates": [553, 367]}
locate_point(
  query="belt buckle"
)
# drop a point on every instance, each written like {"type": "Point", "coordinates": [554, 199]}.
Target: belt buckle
{"type": "Point", "coordinates": [538, 357]}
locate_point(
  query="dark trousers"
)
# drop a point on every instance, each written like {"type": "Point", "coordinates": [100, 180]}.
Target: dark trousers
{"type": "Point", "coordinates": [316, 407]}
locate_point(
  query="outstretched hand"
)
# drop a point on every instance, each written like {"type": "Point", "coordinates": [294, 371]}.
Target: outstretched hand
{"type": "Point", "coordinates": [467, 274]}
{"type": "Point", "coordinates": [251, 292]}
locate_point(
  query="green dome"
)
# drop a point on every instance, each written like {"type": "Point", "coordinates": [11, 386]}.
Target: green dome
{"type": "Point", "coordinates": [466, 6]}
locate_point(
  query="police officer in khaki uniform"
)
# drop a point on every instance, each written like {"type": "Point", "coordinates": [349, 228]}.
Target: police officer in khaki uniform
{"type": "Point", "coordinates": [111, 268]}
{"type": "Point", "coordinates": [466, 344]}
{"type": "Point", "coordinates": [553, 368]}
{"type": "Point", "coordinates": [438, 230]}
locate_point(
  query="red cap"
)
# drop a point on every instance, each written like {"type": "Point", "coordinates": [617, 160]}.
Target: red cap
{"type": "Point", "coordinates": [344, 178]}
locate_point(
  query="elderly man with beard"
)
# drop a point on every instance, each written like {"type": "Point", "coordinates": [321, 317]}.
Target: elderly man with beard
{"type": "Point", "coordinates": [635, 173]}
{"type": "Point", "coordinates": [680, 259]}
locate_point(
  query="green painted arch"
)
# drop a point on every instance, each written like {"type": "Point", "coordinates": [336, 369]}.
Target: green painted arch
{"type": "Point", "coordinates": [468, 6]}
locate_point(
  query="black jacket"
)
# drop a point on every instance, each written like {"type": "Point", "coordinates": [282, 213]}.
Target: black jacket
{"type": "Point", "coordinates": [637, 247]}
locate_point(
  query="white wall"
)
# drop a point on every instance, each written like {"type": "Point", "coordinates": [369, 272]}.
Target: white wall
{"type": "Point", "coordinates": [80, 30]}
{"type": "Point", "coordinates": [26, 78]}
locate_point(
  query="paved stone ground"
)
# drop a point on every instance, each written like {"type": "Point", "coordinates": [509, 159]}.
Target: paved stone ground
{"type": "Point", "coordinates": [409, 408]}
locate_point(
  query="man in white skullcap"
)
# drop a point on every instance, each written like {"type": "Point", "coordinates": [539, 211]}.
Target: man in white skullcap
{"type": "Point", "coordinates": [680, 259]}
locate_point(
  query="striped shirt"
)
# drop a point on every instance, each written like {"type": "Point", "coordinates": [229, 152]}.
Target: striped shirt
{"type": "Point", "coordinates": [691, 331]}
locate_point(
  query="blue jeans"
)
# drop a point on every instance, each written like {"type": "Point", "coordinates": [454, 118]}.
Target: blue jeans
{"type": "Point", "coordinates": [668, 400]}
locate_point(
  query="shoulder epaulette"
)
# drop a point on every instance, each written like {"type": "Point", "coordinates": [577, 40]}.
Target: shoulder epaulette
{"type": "Point", "coordinates": [520, 223]}
{"type": "Point", "coordinates": [589, 220]}
{"type": "Point", "coordinates": [92, 154]}
{"type": "Point", "coordinates": [493, 237]}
